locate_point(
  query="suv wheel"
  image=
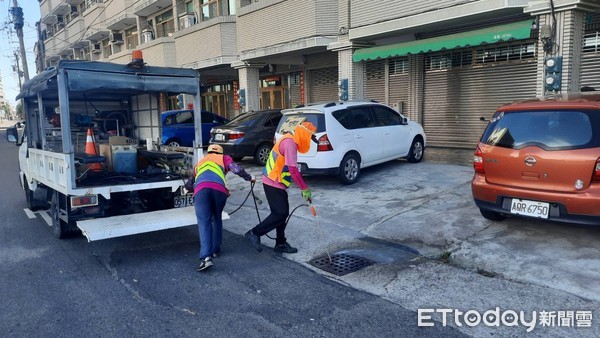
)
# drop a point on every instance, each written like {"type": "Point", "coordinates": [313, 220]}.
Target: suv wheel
{"type": "Point", "coordinates": [416, 151]}
{"type": "Point", "coordinates": [491, 215]}
{"type": "Point", "coordinates": [349, 169]}
{"type": "Point", "coordinates": [261, 155]}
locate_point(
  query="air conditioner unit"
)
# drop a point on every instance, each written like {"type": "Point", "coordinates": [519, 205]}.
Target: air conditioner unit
{"type": "Point", "coordinates": [96, 48]}
{"type": "Point", "coordinates": [187, 20]}
{"type": "Point", "coordinates": [116, 38]}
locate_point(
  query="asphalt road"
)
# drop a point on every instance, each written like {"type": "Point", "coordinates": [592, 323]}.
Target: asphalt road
{"type": "Point", "coordinates": [147, 285]}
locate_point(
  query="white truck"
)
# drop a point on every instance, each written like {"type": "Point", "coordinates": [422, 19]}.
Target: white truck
{"type": "Point", "coordinates": [126, 187]}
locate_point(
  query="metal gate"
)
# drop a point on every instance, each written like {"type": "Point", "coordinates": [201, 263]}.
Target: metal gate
{"type": "Point", "coordinates": [323, 85]}
{"type": "Point", "coordinates": [590, 71]}
{"type": "Point", "coordinates": [456, 97]}
{"type": "Point", "coordinates": [396, 84]}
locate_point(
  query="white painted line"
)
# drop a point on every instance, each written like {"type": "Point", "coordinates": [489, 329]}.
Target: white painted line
{"type": "Point", "coordinates": [45, 216]}
{"type": "Point", "coordinates": [29, 213]}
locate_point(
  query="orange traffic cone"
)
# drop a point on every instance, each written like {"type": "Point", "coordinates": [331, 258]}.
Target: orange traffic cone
{"type": "Point", "coordinates": [90, 149]}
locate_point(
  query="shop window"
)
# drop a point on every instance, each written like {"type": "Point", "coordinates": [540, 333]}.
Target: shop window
{"type": "Point", "coordinates": [513, 52]}
{"type": "Point", "coordinates": [398, 66]}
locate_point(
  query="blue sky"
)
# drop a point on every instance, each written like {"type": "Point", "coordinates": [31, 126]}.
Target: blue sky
{"type": "Point", "coordinates": [9, 43]}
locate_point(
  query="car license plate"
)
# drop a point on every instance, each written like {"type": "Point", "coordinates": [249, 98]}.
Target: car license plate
{"type": "Point", "coordinates": [181, 201]}
{"type": "Point", "coordinates": [529, 208]}
{"type": "Point", "coordinates": [219, 137]}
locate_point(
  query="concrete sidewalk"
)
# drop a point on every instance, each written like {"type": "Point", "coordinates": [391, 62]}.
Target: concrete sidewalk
{"type": "Point", "coordinates": [432, 247]}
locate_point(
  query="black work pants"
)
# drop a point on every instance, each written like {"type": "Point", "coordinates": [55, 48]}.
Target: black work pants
{"type": "Point", "coordinates": [280, 209]}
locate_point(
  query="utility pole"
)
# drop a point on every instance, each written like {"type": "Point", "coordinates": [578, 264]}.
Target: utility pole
{"type": "Point", "coordinates": [19, 72]}
{"type": "Point", "coordinates": [17, 13]}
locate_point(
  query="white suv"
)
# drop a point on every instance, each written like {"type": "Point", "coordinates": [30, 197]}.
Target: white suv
{"type": "Point", "coordinates": [354, 135]}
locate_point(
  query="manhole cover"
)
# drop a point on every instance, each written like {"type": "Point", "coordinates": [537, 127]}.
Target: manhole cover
{"type": "Point", "coordinates": [340, 264]}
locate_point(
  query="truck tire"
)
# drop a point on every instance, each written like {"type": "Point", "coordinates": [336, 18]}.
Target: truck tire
{"type": "Point", "coordinates": [29, 201]}
{"type": "Point", "coordinates": [60, 228]}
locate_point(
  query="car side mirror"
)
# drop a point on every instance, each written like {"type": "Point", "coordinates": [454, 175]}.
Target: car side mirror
{"type": "Point", "coordinates": [404, 120]}
{"type": "Point", "coordinates": [483, 119]}
{"type": "Point", "coordinates": [12, 135]}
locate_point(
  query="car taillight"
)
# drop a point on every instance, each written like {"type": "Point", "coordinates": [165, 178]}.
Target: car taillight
{"type": "Point", "coordinates": [234, 135]}
{"type": "Point", "coordinates": [478, 161]}
{"type": "Point", "coordinates": [596, 177]}
{"type": "Point", "coordinates": [324, 144]}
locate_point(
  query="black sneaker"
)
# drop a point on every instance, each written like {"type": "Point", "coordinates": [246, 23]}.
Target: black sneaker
{"type": "Point", "coordinates": [253, 240]}
{"type": "Point", "coordinates": [285, 248]}
{"type": "Point", "coordinates": [205, 264]}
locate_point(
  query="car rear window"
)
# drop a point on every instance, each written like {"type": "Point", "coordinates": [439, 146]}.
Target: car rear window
{"type": "Point", "coordinates": [289, 121]}
{"type": "Point", "coordinates": [244, 120]}
{"type": "Point", "coordinates": [549, 130]}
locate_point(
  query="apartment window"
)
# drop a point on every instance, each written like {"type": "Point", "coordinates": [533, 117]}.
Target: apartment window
{"type": "Point", "coordinates": [131, 37]}
{"type": "Point", "coordinates": [591, 37]}
{"type": "Point", "coordinates": [106, 50]}
{"type": "Point", "coordinates": [165, 24]}
{"type": "Point", "coordinates": [215, 8]}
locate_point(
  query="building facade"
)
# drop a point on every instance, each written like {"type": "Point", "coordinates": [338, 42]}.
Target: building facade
{"type": "Point", "coordinates": [442, 63]}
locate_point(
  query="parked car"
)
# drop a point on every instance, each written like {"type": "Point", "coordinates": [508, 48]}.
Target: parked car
{"type": "Point", "coordinates": [249, 134]}
{"type": "Point", "coordinates": [541, 159]}
{"type": "Point", "coordinates": [354, 135]}
{"type": "Point", "coordinates": [178, 127]}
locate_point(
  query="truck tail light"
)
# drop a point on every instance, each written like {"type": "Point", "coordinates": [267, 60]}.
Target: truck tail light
{"type": "Point", "coordinates": [596, 176]}
{"type": "Point", "coordinates": [83, 201]}
{"type": "Point", "coordinates": [324, 144]}
{"type": "Point", "coordinates": [478, 161]}
{"type": "Point", "coordinates": [234, 135]}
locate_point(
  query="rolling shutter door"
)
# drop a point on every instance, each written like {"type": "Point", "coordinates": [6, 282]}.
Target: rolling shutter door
{"type": "Point", "coordinates": [398, 83]}
{"type": "Point", "coordinates": [323, 86]}
{"type": "Point", "coordinates": [375, 80]}
{"type": "Point", "coordinates": [590, 70]}
{"type": "Point", "coordinates": [455, 99]}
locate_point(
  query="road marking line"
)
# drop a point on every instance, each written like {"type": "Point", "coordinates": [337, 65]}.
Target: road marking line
{"type": "Point", "coordinates": [45, 216]}
{"type": "Point", "coordinates": [29, 213]}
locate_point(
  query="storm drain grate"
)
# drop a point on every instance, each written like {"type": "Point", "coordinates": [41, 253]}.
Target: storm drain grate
{"type": "Point", "coordinates": [340, 264]}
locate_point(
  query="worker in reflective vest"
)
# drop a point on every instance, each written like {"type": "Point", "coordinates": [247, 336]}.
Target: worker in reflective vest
{"type": "Point", "coordinates": [210, 196]}
{"type": "Point", "coordinates": [280, 170]}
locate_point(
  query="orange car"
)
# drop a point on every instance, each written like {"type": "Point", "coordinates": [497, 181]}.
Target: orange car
{"type": "Point", "coordinates": [541, 159]}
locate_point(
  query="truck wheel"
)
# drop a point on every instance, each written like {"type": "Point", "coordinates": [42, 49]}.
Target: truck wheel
{"type": "Point", "coordinates": [349, 169]}
{"type": "Point", "coordinates": [29, 201]}
{"type": "Point", "coordinates": [262, 154]}
{"type": "Point", "coordinates": [60, 229]}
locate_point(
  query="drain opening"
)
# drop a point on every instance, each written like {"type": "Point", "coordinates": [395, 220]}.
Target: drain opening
{"type": "Point", "coordinates": [340, 264]}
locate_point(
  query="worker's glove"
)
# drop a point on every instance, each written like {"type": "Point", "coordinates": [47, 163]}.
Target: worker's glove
{"type": "Point", "coordinates": [306, 194]}
{"type": "Point", "coordinates": [252, 179]}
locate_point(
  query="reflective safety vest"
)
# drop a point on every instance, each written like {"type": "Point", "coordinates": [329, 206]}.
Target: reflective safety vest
{"type": "Point", "coordinates": [210, 168]}
{"type": "Point", "coordinates": [275, 168]}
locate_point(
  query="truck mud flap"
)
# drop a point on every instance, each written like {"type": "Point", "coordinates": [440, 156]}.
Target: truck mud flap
{"type": "Point", "coordinates": [118, 226]}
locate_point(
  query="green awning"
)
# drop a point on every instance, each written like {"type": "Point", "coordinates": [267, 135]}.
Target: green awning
{"type": "Point", "coordinates": [512, 31]}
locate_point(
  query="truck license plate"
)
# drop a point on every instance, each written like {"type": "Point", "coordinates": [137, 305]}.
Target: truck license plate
{"type": "Point", "coordinates": [181, 201]}
{"type": "Point", "coordinates": [529, 208]}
